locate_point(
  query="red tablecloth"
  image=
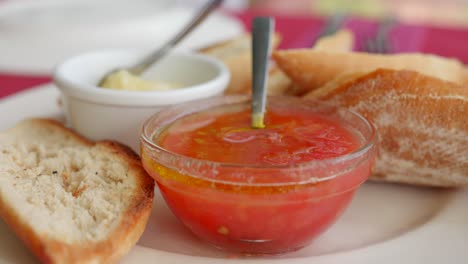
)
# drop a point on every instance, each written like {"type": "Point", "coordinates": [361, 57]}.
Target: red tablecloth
{"type": "Point", "coordinates": [14, 82]}
{"type": "Point", "coordinates": [300, 31]}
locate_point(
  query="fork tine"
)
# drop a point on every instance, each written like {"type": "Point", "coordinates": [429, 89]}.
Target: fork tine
{"type": "Point", "coordinates": [380, 42]}
{"type": "Point", "coordinates": [384, 40]}
{"type": "Point", "coordinates": [332, 25]}
{"type": "Point", "coordinates": [370, 46]}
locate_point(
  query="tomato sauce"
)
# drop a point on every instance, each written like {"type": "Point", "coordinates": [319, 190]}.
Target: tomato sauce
{"type": "Point", "coordinates": [265, 210]}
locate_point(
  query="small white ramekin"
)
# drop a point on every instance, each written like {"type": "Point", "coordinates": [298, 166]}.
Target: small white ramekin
{"type": "Point", "coordinates": [98, 113]}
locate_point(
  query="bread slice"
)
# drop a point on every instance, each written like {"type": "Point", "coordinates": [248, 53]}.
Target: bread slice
{"type": "Point", "coordinates": [68, 199]}
{"type": "Point", "coordinates": [278, 83]}
{"type": "Point", "coordinates": [421, 122]}
{"type": "Point", "coordinates": [311, 69]}
{"type": "Point", "coordinates": [465, 75]}
{"type": "Point", "coordinates": [341, 41]}
{"type": "Point", "coordinates": [333, 84]}
{"type": "Point", "coordinates": [237, 55]}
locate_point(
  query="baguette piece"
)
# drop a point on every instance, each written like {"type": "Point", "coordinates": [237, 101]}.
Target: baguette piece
{"type": "Point", "coordinates": [237, 55]}
{"type": "Point", "coordinates": [421, 122]}
{"type": "Point", "coordinates": [278, 83]}
{"type": "Point", "coordinates": [465, 75]}
{"type": "Point", "coordinates": [333, 84]}
{"type": "Point", "coordinates": [68, 199]}
{"type": "Point", "coordinates": [341, 41]}
{"type": "Point", "coordinates": [311, 69]}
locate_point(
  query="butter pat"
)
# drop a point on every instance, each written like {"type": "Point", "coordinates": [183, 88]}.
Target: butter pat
{"type": "Point", "coordinates": [124, 80]}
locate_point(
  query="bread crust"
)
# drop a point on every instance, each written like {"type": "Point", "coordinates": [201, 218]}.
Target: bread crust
{"type": "Point", "coordinates": [236, 53]}
{"type": "Point", "coordinates": [341, 41]}
{"type": "Point", "coordinates": [421, 121]}
{"type": "Point", "coordinates": [131, 224]}
{"type": "Point", "coordinates": [311, 69]}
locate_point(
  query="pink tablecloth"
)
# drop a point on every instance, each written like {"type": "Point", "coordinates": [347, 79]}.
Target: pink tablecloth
{"type": "Point", "coordinates": [300, 32]}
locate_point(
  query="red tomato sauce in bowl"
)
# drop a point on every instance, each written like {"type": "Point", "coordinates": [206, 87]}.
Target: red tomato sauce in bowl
{"type": "Point", "coordinates": [258, 191]}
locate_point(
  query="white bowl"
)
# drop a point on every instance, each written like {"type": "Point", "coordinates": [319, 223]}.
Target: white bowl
{"type": "Point", "coordinates": [98, 113]}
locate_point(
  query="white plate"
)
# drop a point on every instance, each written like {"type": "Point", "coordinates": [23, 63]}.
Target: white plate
{"type": "Point", "coordinates": [384, 224]}
{"type": "Point", "coordinates": [37, 34]}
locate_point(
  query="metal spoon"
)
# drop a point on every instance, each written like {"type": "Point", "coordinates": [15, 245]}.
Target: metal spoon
{"type": "Point", "coordinates": [145, 63]}
{"type": "Point", "coordinates": [262, 30]}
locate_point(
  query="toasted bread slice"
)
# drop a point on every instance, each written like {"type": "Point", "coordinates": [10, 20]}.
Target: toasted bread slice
{"type": "Point", "coordinates": [280, 84]}
{"type": "Point", "coordinates": [465, 75]}
{"type": "Point", "coordinates": [237, 55]}
{"type": "Point", "coordinates": [421, 122]}
{"type": "Point", "coordinates": [311, 68]}
{"type": "Point", "coordinates": [333, 84]}
{"type": "Point", "coordinates": [68, 199]}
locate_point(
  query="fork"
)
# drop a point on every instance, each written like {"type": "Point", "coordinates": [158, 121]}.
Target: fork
{"type": "Point", "coordinates": [332, 25]}
{"type": "Point", "coordinates": [380, 42]}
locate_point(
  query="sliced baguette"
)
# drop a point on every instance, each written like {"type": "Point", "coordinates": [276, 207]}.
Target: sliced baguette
{"type": "Point", "coordinates": [236, 54]}
{"type": "Point", "coordinates": [341, 41]}
{"type": "Point", "coordinates": [311, 69]}
{"type": "Point", "coordinates": [465, 75]}
{"type": "Point", "coordinates": [68, 199]}
{"type": "Point", "coordinates": [421, 122]}
{"type": "Point", "coordinates": [278, 83]}
{"type": "Point", "coordinates": [333, 84]}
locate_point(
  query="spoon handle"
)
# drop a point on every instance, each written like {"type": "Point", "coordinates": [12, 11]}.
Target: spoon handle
{"type": "Point", "coordinates": [262, 30]}
{"type": "Point", "coordinates": [139, 68]}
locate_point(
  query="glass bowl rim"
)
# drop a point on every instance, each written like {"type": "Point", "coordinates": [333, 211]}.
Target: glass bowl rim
{"type": "Point", "coordinates": [368, 144]}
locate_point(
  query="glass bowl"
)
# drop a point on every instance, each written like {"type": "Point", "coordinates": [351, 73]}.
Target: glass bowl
{"type": "Point", "coordinates": [257, 208]}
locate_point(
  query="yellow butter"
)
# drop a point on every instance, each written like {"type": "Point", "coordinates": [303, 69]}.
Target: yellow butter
{"type": "Point", "coordinates": [124, 80]}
